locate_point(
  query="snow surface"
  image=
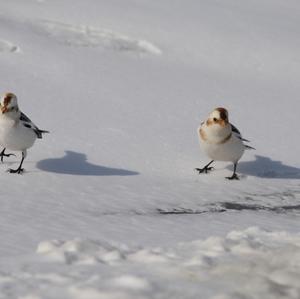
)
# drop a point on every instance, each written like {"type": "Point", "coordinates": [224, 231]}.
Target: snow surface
{"type": "Point", "coordinates": [110, 205]}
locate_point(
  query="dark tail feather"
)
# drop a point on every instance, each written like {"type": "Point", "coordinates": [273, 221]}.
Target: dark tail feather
{"type": "Point", "coordinates": [246, 140]}
{"type": "Point", "coordinates": [249, 147]}
{"type": "Point", "coordinates": [43, 131]}
{"type": "Point", "coordinates": [39, 133]}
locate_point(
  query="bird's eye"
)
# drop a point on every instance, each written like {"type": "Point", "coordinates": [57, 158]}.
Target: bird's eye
{"type": "Point", "coordinates": [215, 119]}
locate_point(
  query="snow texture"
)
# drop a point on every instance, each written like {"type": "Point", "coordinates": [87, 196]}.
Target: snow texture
{"type": "Point", "coordinates": [244, 264]}
{"type": "Point", "coordinates": [109, 205]}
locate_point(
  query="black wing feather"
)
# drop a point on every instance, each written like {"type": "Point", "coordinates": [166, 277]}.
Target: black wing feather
{"type": "Point", "coordinates": [239, 135]}
{"type": "Point", "coordinates": [29, 124]}
{"type": "Point", "coordinates": [25, 118]}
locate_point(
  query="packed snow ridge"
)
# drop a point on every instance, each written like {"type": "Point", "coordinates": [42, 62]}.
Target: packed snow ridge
{"type": "Point", "coordinates": [244, 264]}
{"type": "Point", "coordinates": [7, 46]}
{"type": "Point", "coordinates": [87, 36]}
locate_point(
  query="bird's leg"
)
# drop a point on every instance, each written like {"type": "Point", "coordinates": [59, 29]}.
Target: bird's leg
{"type": "Point", "coordinates": [2, 154]}
{"type": "Point", "coordinates": [234, 175]}
{"type": "Point", "coordinates": [206, 168]}
{"type": "Point", "coordinates": [19, 169]}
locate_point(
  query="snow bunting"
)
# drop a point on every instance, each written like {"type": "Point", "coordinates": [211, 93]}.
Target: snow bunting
{"type": "Point", "coordinates": [221, 141]}
{"type": "Point", "coordinates": [17, 131]}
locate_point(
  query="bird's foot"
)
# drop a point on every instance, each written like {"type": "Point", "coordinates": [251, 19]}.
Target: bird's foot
{"type": "Point", "coordinates": [204, 169]}
{"type": "Point", "coordinates": [2, 155]}
{"type": "Point", "coordinates": [233, 177]}
{"type": "Point", "coordinates": [18, 170]}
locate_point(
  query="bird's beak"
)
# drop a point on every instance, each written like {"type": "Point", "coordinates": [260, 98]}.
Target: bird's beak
{"type": "Point", "coordinates": [4, 109]}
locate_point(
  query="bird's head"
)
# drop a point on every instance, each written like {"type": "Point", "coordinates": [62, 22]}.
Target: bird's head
{"type": "Point", "coordinates": [218, 117]}
{"type": "Point", "coordinates": [9, 103]}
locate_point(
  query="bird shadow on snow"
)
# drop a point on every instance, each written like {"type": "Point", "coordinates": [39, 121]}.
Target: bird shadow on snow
{"type": "Point", "coordinates": [265, 167]}
{"type": "Point", "coordinates": [76, 164]}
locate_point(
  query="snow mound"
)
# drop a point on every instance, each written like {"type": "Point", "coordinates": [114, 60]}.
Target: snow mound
{"type": "Point", "coordinates": [80, 252]}
{"type": "Point", "coordinates": [87, 36]}
{"type": "Point", "coordinates": [7, 46]}
{"type": "Point", "coordinates": [244, 264]}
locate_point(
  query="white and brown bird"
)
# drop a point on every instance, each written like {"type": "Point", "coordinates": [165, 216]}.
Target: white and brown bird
{"type": "Point", "coordinates": [221, 141]}
{"type": "Point", "coordinates": [17, 131]}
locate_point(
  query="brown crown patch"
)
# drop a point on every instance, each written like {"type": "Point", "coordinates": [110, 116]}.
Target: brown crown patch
{"type": "Point", "coordinates": [7, 98]}
{"type": "Point", "coordinates": [223, 113]}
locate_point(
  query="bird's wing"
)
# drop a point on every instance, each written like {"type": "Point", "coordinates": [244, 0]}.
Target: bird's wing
{"type": "Point", "coordinates": [26, 122]}
{"type": "Point", "coordinates": [237, 133]}
{"type": "Point", "coordinates": [249, 147]}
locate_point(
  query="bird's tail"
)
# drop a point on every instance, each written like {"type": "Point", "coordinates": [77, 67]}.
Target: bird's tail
{"type": "Point", "coordinates": [249, 147]}
{"type": "Point", "coordinates": [43, 131]}
{"type": "Point", "coordinates": [40, 133]}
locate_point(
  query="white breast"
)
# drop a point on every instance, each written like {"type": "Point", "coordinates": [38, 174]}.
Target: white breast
{"type": "Point", "coordinates": [218, 148]}
{"type": "Point", "coordinates": [232, 150]}
{"type": "Point", "coordinates": [14, 136]}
